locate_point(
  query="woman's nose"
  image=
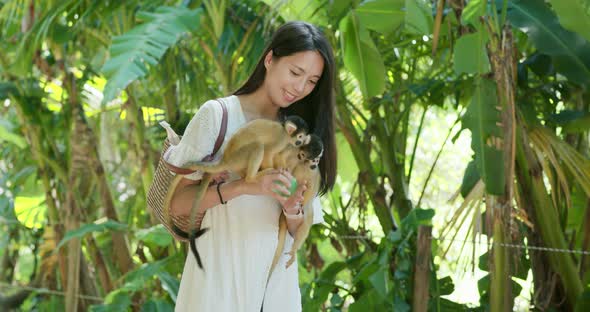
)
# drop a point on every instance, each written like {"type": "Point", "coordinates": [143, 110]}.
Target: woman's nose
{"type": "Point", "coordinates": [300, 85]}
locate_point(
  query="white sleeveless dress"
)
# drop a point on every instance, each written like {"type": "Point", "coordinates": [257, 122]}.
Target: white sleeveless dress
{"type": "Point", "coordinates": [238, 249]}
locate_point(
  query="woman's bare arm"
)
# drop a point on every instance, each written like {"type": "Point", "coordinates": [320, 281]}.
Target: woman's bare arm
{"type": "Point", "coordinates": [182, 199]}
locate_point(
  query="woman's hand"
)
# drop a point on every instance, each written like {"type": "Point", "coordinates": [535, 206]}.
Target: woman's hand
{"type": "Point", "coordinates": [274, 183]}
{"type": "Point", "coordinates": [292, 204]}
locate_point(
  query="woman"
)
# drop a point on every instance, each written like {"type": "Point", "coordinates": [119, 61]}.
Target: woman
{"type": "Point", "coordinates": [294, 76]}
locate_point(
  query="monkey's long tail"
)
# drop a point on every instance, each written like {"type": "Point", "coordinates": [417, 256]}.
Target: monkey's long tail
{"type": "Point", "coordinates": [192, 242]}
{"type": "Point", "coordinates": [196, 233]}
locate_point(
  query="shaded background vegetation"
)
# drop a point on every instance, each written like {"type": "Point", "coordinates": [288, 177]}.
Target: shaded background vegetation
{"type": "Point", "coordinates": [484, 103]}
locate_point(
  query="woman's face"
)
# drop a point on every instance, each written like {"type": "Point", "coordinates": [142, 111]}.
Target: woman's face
{"type": "Point", "coordinates": [291, 78]}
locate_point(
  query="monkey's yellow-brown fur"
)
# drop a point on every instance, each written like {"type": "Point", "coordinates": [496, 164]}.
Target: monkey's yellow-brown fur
{"type": "Point", "coordinates": [306, 170]}
{"type": "Point", "coordinates": [252, 147]}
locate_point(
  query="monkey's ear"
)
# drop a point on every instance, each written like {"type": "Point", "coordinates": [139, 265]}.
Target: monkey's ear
{"type": "Point", "coordinates": [307, 139]}
{"type": "Point", "coordinates": [290, 127]}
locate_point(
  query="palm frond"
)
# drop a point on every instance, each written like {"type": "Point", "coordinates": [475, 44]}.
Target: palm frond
{"type": "Point", "coordinates": [565, 156]}
{"type": "Point", "coordinates": [144, 45]}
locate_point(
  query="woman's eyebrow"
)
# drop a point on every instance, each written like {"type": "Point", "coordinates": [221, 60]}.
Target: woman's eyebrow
{"type": "Point", "coordinates": [302, 70]}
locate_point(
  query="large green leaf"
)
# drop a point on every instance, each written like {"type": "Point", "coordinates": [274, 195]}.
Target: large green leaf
{"type": "Point", "coordinates": [379, 281]}
{"type": "Point", "coordinates": [157, 235]}
{"type": "Point", "coordinates": [8, 89]}
{"type": "Point", "coordinates": [30, 211]}
{"type": "Point", "coordinates": [419, 18]}
{"type": "Point", "coordinates": [361, 56]}
{"type": "Point", "coordinates": [116, 301]}
{"type": "Point", "coordinates": [44, 27]}
{"type": "Point", "coordinates": [470, 178]}
{"type": "Point", "coordinates": [383, 16]}
{"type": "Point", "coordinates": [157, 305]}
{"type": "Point", "coordinates": [7, 134]}
{"type": "Point", "coordinates": [417, 217]}
{"type": "Point", "coordinates": [472, 12]}
{"type": "Point", "coordinates": [89, 228]}
{"type": "Point", "coordinates": [470, 54]}
{"type": "Point", "coordinates": [573, 15]}
{"type": "Point", "coordinates": [369, 301]}
{"type": "Point", "coordinates": [572, 121]}
{"type": "Point", "coordinates": [169, 283]}
{"type": "Point", "coordinates": [144, 45]}
{"type": "Point", "coordinates": [482, 119]}
{"type": "Point", "coordinates": [325, 285]}
{"type": "Point", "coordinates": [306, 10]}
{"type": "Point", "coordinates": [570, 51]}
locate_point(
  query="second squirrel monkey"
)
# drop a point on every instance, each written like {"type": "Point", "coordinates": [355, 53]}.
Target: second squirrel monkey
{"type": "Point", "coordinates": [306, 170]}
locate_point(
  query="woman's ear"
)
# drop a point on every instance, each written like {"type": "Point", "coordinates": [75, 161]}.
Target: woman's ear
{"type": "Point", "coordinates": [268, 59]}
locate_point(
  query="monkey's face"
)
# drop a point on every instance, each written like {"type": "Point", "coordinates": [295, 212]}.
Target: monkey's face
{"type": "Point", "coordinates": [316, 161]}
{"type": "Point", "coordinates": [300, 139]}
{"type": "Point", "coordinates": [313, 163]}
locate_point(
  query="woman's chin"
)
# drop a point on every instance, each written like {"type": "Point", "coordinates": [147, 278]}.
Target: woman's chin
{"type": "Point", "coordinates": [283, 103]}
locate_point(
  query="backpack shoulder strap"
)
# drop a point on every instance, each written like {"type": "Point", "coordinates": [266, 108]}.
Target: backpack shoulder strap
{"type": "Point", "coordinates": [218, 143]}
{"type": "Point", "coordinates": [222, 129]}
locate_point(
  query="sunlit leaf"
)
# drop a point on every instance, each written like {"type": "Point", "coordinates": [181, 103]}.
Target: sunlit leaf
{"type": "Point", "coordinates": [419, 18]}
{"type": "Point", "coordinates": [482, 118]}
{"type": "Point", "coordinates": [570, 51]}
{"type": "Point", "coordinates": [116, 301]}
{"type": "Point", "coordinates": [383, 16]}
{"type": "Point", "coordinates": [92, 227]}
{"type": "Point", "coordinates": [470, 54]}
{"type": "Point", "coordinates": [573, 15]}
{"type": "Point", "coordinates": [361, 56]}
{"type": "Point", "coordinates": [144, 45]}
{"type": "Point", "coordinates": [470, 178]}
{"type": "Point", "coordinates": [156, 235]}
{"type": "Point", "coordinates": [30, 211]}
{"type": "Point", "coordinates": [473, 11]}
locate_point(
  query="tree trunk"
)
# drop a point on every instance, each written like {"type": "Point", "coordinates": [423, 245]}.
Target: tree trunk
{"type": "Point", "coordinates": [422, 269]}
{"type": "Point", "coordinates": [499, 208]}
{"type": "Point", "coordinates": [142, 148]}
{"type": "Point", "coordinates": [100, 265]}
{"type": "Point", "coordinates": [546, 219]}
{"type": "Point", "coordinates": [87, 285]}
{"type": "Point", "coordinates": [361, 154]}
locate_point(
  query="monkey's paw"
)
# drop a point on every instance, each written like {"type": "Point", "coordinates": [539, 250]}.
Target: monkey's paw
{"type": "Point", "coordinates": [291, 260]}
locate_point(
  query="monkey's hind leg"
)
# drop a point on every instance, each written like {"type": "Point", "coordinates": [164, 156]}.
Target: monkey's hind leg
{"type": "Point", "coordinates": [253, 161]}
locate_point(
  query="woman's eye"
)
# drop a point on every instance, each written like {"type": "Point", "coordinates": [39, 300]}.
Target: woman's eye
{"type": "Point", "coordinates": [294, 73]}
{"type": "Point", "coordinates": [313, 82]}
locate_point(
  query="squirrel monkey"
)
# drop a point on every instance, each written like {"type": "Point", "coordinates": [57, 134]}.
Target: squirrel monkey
{"type": "Point", "coordinates": [306, 170]}
{"type": "Point", "coordinates": [256, 146]}
{"type": "Point", "coordinates": [291, 156]}
{"type": "Point", "coordinates": [252, 146]}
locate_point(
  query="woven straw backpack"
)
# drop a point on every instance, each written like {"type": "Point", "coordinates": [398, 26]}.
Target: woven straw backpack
{"type": "Point", "coordinates": [160, 191]}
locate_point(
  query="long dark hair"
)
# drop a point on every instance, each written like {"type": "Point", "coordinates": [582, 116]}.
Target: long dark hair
{"type": "Point", "coordinates": [317, 108]}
